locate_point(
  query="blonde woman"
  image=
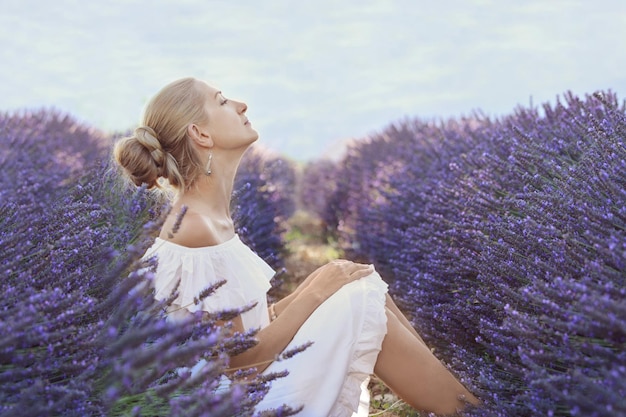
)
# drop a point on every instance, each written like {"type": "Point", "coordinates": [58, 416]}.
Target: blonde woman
{"type": "Point", "coordinates": [194, 136]}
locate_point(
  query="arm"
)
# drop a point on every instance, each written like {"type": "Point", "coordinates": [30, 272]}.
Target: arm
{"type": "Point", "coordinates": [284, 302]}
{"type": "Point", "coordinates": [295, 309]}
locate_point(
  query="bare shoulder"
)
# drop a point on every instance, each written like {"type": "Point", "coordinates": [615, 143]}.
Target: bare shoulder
{"type": "Point", "coordinates": [193, 230]}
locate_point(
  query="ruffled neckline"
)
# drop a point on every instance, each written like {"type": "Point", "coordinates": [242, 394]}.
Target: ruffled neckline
{"type": "Point", "coordinates": [189, 271]}
{"type": "Point", "coordinates": [213, 248]}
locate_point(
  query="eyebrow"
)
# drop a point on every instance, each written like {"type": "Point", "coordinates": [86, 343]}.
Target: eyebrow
{"type": "Point", "coordinates": [218, 93]}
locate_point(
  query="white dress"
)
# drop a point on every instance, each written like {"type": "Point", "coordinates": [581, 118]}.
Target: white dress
{"type": "Point", "coordinates": [330, 377]}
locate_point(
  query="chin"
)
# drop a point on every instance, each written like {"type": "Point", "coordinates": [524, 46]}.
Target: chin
{"type": "Point", "coordinates": [250, 142]}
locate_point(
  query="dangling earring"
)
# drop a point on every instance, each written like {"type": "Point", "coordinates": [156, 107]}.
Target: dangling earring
{"type": "Point", "coordinates": [207, 170]}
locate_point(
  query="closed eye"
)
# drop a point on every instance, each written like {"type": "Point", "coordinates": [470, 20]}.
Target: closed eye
{"type": "Point", "coordinates": [223, 101]}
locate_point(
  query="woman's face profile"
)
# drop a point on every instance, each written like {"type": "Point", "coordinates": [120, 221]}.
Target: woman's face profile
{"type": "Point", "coordinates": [228, 124]}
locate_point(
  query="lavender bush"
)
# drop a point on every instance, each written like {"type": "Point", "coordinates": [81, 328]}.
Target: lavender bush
{"type": "Point", "coordinates": [505, 240]}
{"type": "Point", "coordinates": [81, 332]}
{"type": "Point", "coordinates": [265, 183]}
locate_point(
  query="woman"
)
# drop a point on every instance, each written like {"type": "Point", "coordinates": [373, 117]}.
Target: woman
{"type": "Point", "coordinates": [194, 137]}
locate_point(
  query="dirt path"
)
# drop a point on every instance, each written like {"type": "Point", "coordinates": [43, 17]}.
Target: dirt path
{"type": "Point", "coordinates": [308, 248]}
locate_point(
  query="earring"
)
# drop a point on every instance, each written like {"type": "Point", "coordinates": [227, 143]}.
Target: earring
{"type": "Point", "coordinates": [207, 169]}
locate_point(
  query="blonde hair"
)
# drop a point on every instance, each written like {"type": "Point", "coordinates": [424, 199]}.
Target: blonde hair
{"type": "Point", "coordinates": [160, 147]}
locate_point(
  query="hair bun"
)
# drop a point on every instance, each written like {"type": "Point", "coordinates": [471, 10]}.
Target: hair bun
{"type": "Point", "coordinates": [142, 156]}
{"type": "Point", "coordinates": [148, 138]}
{"type": "Point", "coordinates": [146, 157]}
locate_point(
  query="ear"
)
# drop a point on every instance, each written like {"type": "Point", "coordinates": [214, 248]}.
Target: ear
{"type": "Point", "coordinates": [200, 136]}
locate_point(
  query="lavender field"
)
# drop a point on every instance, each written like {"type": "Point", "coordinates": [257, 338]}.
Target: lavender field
{"type": "Point", "coordinates": [504, 240]}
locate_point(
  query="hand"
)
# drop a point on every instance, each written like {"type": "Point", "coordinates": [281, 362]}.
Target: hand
{"type": "Point", "coordinates": [329, 278]}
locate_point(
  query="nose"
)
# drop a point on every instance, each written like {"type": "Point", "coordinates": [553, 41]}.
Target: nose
{"type": "Point", "coordinates": [242, 107]}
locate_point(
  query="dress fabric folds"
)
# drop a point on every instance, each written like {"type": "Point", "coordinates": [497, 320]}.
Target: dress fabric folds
{"type": "Point", "coordinates": [330, 377]}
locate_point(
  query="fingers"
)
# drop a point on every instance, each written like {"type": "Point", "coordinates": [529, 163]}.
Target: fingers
{"type": "Point", "coordinates": [361, 271]}
{"type": "Point", "coordinates": [352, 271]}
{"type": "Point", "coordinates": [339, 270]}
{"type": "Point", "coordinates": [328, 279]}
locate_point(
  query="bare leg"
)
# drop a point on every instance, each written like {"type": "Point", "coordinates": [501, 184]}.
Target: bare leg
{"type": "Point", "coordinates": [409, 368]}
{"type": "Point", "coordinates": [391, 305]}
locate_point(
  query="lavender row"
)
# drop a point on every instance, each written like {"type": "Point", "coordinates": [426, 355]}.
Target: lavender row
{"type": "Point", "coordinates": [81, 332]}
{"type": "Point", "coordinates": [505, 240]}
{"type": "Point", "coordinates": [263, 201]}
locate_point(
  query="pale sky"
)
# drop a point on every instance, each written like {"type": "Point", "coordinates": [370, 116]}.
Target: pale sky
{"type": "Point", "coordinates": [313, 73]}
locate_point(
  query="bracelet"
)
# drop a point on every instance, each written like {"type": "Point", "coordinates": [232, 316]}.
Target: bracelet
{"type": "Point", "coordinates": [272, 312]}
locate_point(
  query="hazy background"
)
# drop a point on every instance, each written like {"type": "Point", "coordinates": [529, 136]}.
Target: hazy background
{"type": "Point", "coordinates": [313, 73]}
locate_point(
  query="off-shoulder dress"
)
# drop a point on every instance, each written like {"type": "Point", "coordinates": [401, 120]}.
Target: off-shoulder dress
{"type": "Point", "coordinates": [330, 377]}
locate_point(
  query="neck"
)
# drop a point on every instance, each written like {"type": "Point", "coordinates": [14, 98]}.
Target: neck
{"type": "Point", "coordinates": [211, 194]}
